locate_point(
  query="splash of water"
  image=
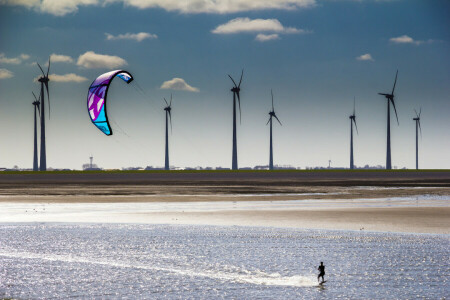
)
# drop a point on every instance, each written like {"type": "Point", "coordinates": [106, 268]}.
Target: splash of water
{"type": "Point", "coordinates": [243, 276]}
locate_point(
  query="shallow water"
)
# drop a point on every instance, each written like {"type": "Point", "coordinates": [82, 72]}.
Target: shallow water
{"type": "Point", "coordinates": [202, 262]}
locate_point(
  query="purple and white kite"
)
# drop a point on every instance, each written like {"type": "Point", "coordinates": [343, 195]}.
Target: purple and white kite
{"type": "Point", "coordinates": [96, 100]}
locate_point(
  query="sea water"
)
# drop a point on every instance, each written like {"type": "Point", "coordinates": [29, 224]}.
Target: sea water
{"type": "Point", "coordinates": [107, 261]}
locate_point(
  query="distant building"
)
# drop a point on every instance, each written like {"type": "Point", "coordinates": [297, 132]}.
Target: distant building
{"type": "Point", "coordinates": [266, 167]}
{"type": "Point", "coordinates": [91, 166]}
{"type": "Point", "coordinates": [285, 167]}
{"type": "Point", "coordinates": [148, 168]}
{"type": "Point", "coordinates": [133, 169]}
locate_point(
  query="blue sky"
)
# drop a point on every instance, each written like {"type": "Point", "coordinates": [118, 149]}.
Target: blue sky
{"type": "Point", "coordinates": [315, 55]}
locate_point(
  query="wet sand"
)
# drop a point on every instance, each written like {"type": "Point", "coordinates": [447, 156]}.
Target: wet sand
{"type": "Point", "coordinates": [226, 178]}
{"type": "Point", "coordinates": [397, 219]}
{"type": "Point", "coordinates": [167, 186]}
{"type": "Point", "coordinates": [211, 187]}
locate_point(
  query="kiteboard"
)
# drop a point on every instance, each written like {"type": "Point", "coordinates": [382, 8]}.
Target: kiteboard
{"type": "Point", "coordinates": [322, 282]}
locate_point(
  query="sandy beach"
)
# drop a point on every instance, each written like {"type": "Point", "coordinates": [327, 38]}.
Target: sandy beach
{"type": "Point", "coordinates": [376, 201]}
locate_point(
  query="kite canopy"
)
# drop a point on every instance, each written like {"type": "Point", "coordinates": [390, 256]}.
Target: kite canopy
{"type": "Point", "coordinates": [96, 100]}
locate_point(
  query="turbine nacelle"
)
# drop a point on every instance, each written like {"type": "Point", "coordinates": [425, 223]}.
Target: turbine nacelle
{"type": "Point", "coordinates": [272, 112]}
{"type": "Point", "coordinates": [417, 119]}
{"type": "Point", "coordinates": [387, 96]}
{"type": "Point", "coordinates": [168, 110]}
{"type": "Point", "coordinates": [36, 103]}
{"type": "Point", "coordinates": [44, 80]}
{"type": "Point", "coordinates": [236, 90]}
{"type": "Point", "coordinates": [390, 97]}
{"type": "Point", "coordinates": [353, 116]}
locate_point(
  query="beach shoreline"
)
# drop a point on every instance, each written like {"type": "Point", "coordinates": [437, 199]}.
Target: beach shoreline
{"type": "Point", "coordinates": [362, 200]}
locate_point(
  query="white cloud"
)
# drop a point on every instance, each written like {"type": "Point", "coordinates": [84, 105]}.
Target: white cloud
{"type": "Point", "coordinates": [267, 37]}
{"type": "Point", "coordinates": [71, 77]}
{"type": "Point", "coordinates": [240, 25]}
{"type": "Point", "coordinates": [63, 7]}
{"type": "Point", "coordinates": [178, 84]}
{"type": "Point", "coordinates": [366, 56]}
{"type": "Point", "coordinates": [13, 60]}
{"type": "Point", "coordinates": [26, 3]}
{"type": "Point", "coordinates": [60, 58]}
{"type": "Point", "coordinates": [139, 37]}
{"type": "Point", "coordinates": [219, 6]}
{"type": "Point", "coordinates": [404, 39]}
{"type": "Point", "coordinates": [4, 74]}
{"type": "Point", "coordinates": [92, 60]}
{"type": "Point", "coordinates": [54, 7]}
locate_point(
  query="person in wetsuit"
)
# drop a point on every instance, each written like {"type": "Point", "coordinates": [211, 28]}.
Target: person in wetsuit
{"type": "Point", "coordinates": [321, 269]}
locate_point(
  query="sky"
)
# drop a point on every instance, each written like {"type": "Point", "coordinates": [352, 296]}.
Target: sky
{"type": "Point", "coordinates": [316, 55]}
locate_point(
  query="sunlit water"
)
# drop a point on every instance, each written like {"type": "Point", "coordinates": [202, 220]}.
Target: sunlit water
{"type": "Point", "coordinates": [45, 260]}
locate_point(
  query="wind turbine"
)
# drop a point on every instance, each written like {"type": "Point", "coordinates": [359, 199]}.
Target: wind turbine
{"type": "Point", "coordinates": [236, 90]}
{"type": "Point", "coordinates": [272, 115]}
{"type": "Point", "coordinates": [168, 110]}
{"type": "Point", "coordinates": [44, 81]}
{"type": "Point", "coordinates": [35, 152]}
{"type": "Point", "coordinates": [417, 119]}
{"type": "Point", "coordinates": [390, 99]}
{"type": "Point", "coordinates": [352, 120]}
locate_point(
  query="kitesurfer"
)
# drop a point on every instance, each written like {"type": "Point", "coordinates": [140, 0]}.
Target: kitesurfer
{"type": "Point", "coordinates": [321, 269]}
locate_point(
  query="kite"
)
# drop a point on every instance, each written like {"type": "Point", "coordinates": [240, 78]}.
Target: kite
{"type": "Point", "coordinates": [96, 99]}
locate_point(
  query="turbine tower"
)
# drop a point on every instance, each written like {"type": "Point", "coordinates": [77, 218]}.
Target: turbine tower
{"type": "Point", "coordinates": [352, 120]}
{"type": "Point", "coordinates": [417, 119]}
{"type": "Point", "coordinates": [272, 115]}
{"type": "Point", "coordinates": [168, 110]}
{"type": "Point", "coordinates": [236, 90]}
{"type": "Point", "coordinates": [35, 151]}
{"type": "Point", "coordinates": [44, 81]}
{"type": "Point", "coordinates": [390, 99]}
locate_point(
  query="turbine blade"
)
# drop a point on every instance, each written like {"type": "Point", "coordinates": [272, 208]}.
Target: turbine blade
{"type": "Point", "coordinates": [383, 94]}
{"type": "Point", "coordinates": [354, 121]}
{"type": "Point", "coordinates": [232, 80]}
{"type": "Point", "coordinates": [39, 109]}
{"type": "Point", "coordinates": [48, 99]}
{"type": "Point", "coordinates": [48, 69]}
{"type": "Point", "coordinates": [417, 115]}
{"type": "Point", "coordinates": [393, 104]}
{"type": "Point", "coordinates": [34, 96]}
{"type": "Point", "coordinates": [269, 120]}
{"type": "Point", "coordinates": [166, 102]}
{"type": "Point", "coordinates": [354, 101]}
{"type": "Point", "coordinates": [420, 128]}
{"type": "Point", "coordinates": [41, 69]}
{"type": "Point", "coordinates": [170, 119]}
{"type": "Point", "coordinates": [277, 119]}
{"type": "Point", "coordinates": [170, 100]}
{"type": "Point", "coordinates": [272, 98]}
{"type": "Point", "coordinates": [242, 74]}
{"type": "Point", "coordinates": [240, 114]}
{"type": "Point", "coordinates": [395, 82]}
{"type": "Point", "coordinates": [420, 112]}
